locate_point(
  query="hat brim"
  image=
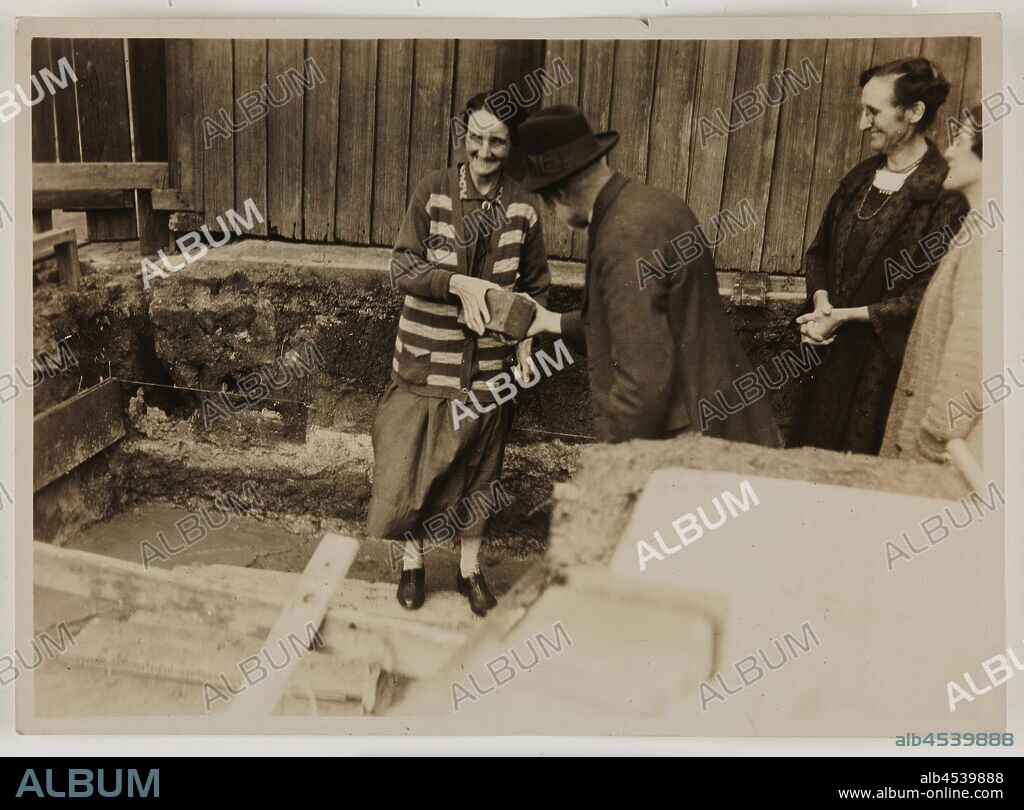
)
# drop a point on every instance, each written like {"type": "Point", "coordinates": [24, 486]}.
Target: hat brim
{"type": "Point", "coordinates": [537, 182]}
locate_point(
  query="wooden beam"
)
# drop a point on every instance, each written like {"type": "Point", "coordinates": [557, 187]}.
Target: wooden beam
{"type": "Point", "coordinates": [153, 226]}
{"type": "Point", "coordinates": [363, 622]}
{"type": "Point", "coordinates": [81, 200]}
{"type": "Point", "coordinates": [74, 431]}
{"type": "Point", "coordinates": [197, 654]}
{"type": "Point", "coordinates": [44, 243]}
{"type": "Point", "coordinates": [67, 263]}
{"type": "Point", "coordinates": [98, 176]}
{"type": "Point", "coordinates": [172, 199]}
{"type": "Point", "coordinates": [306, 607]}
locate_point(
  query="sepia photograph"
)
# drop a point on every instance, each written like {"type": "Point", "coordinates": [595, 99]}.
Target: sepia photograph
{"type": "Point", "coordinates": [504, 381]}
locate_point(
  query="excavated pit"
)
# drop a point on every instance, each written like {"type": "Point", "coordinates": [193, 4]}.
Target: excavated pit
{"type": "Point", "coordinates": [306, 448]}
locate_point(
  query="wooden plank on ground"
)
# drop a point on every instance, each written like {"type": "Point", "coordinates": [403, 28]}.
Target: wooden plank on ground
{"type": "Point", "coordinates": [103, 123]}
{"type": "Point", "coordinates": [675, 89]}
{"type": "Point", "coordinates": [251, 142]}
{"type": "Point", "coordinates": [353, 207]}
{"type": "Point", "coordinates": [321, 143]}
{"type": "Point", "coordinates": [786, 216]}
{"type": "Point", "coordinates": [74, 431]}
{"type": "Point", "coordinates": [364, 622]}
{"type": "Point", "coordinates": [284, 136]}
{"type": "Point", "coordinates": [91, 177]}
{"type": "Point", "coordinates": [391, 153]}
{"type": "Point", "coordinates": [305, 608]}
{"type": "Point", "coordinates": [431, 129]}
{"type": "Point", "coordinates": [213, 59]}
{"type": "Point", "coordinates": [597, 64]}
{"type": "Point", "coordinates": [837, 148]}
{"type": "Point", "coordinates": [196, 654]}
{"type": "Point", "coordinates": [65, 103]}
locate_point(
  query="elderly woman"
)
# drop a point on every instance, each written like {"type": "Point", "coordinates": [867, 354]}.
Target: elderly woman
{"type": "Point", "coordinates": [939, 388]}
{"type": "Point", "coordinates": [468, 229]}
{"type": "Point", "coordinates": [890, 211]}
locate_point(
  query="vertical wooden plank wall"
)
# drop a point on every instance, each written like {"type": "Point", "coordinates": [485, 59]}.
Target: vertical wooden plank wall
{"type": "Point", "coordinates": [597, 64]}
{"type": "Point", "coordinates": [791, 185]}
{"type": "Point", "coordinates": [44, 138]}
{"type": "Point", "coordinates": [391, 152]}
{"type": "Point", "coordinates": [147, 86]}
{"type": "Point", "coordinates": [65, 104]}
{"type": "Point", "coordinates": [675, 92]}
{"type": "Point", "coordinates": [837, 149]}
{"type": "Point", "coordinates": [103, 123]}
{"type": "Point", "coordinates": [250, 70]}
{"type": "Point", "coordinates": [321, 142]}
{"type": "Point", "coordinates": [558, 238]}
{"type": "Point", "coordinates": [213, 61]}
{"type": "Point", "coordinates": [748, 175]}
{"type": "Point", "coordinates": [715, 91]}
{"type": "Point", "coordinates": [284, 139]}
{"type": "Point", "coordinates": [431, 107]}
{"type": "Point", "coordinates": [336, 162]}
{"type": "Point", "coordinates": [356, 138]}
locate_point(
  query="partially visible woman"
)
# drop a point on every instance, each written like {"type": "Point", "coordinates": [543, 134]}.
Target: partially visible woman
{"type": "Point", "coordinates": [890, 211]}
{"type": "Point", "coordinates": [939, 388]}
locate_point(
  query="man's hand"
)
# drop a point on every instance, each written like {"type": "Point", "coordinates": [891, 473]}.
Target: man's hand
{"type": "Point", "coordinates": [545, 321]}
{"type": "Point", "coordinates": [473, 294]}
{"type": "Point", "coordinates": [525, 370]}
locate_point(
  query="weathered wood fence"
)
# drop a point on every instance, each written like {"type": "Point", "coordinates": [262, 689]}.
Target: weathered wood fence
{"type": "Point", "coordinates": [327, 137]}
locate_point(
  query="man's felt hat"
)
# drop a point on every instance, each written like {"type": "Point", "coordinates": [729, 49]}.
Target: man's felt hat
{"type": "Point", "coordinates": [557, 142]}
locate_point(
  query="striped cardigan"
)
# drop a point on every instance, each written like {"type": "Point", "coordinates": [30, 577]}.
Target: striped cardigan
{"type": "Point", "coordinates": [434, 354]}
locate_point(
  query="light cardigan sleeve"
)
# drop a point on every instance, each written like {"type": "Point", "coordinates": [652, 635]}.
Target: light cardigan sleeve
{"type": "Point", "coordinates": [951, 411]}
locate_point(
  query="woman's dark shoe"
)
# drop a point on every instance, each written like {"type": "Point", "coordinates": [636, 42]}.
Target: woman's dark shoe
{"type": "Point", "coordinates": [474, 587]}
{"type": "Point", "coordinates": [411, 592]}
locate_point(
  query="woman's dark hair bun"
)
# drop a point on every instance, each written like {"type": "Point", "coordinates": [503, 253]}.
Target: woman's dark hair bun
{"type": "Point", "coordinates": [918, 79]}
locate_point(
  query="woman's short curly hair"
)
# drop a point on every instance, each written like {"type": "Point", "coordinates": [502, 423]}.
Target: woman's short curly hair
{"type": "Point", "coordinates": [488, 101]}
{"type": "Point", "coordinates": [917, 79]}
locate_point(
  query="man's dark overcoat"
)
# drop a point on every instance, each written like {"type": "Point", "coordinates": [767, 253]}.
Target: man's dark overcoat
{"type": "Point", "coordinates": [656, 348]}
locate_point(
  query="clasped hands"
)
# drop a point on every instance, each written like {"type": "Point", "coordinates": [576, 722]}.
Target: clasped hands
{"type": "Point", "coordinates": [818, 328]}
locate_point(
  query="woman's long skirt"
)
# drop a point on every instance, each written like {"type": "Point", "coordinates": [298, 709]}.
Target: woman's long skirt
{"type": "Point", "coordinates": [425, 471]}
